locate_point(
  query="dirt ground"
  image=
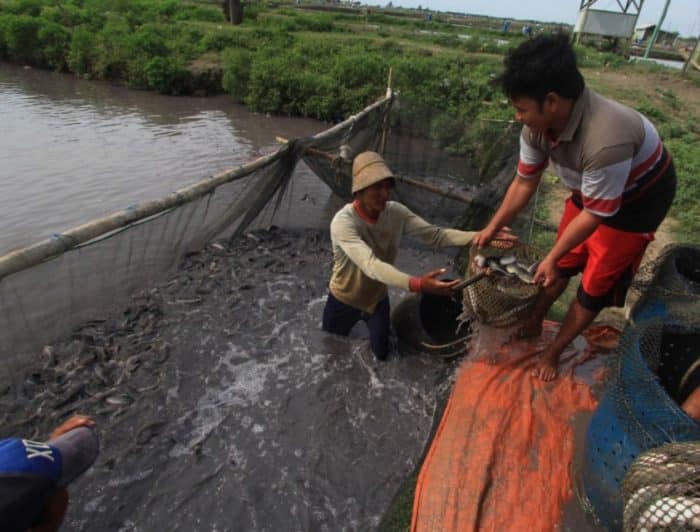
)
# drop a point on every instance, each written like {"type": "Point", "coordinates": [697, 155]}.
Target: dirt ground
{"type": "Point", "coordinates": [626, 85]}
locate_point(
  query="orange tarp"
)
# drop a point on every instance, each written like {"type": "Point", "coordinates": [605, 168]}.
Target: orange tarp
{"type": "Point", "coordinates": [501, 457]}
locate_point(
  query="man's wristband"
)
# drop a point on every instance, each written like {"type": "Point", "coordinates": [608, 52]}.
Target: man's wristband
{"type": "Point", "coordinates": [414, 284]}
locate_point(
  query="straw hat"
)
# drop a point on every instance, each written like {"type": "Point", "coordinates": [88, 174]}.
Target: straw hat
{"type": "Point", "coordinates": [368, 168]}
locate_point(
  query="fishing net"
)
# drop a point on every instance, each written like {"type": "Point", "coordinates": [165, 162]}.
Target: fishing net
{"type": "Point", "coordinates": [90, 271]}
{"type": "Point", "coordinates": [498, 300]}
{"type": "Point", "coordinates": [656, 371]}
{"type": "Point", "coordinates": [662, 489]}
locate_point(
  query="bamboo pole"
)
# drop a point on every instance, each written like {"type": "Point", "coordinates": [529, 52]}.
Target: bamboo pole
{"type": "Point", "coordinates": [329, 133]}
{"type": "Point", "coordinates": [385, 125]}
{"type": "Point", "coordinates": [657, 28]}
{"type": "Point", "coordinates": [49, 248]}
{"type": "Point", "coordinates": [690, 59]}
{"type": "Point", "coordinates": [498, 120]}
{"type": "Point", "coordinates": [469, 199]}
{"type": "Point", "coordinates": [436, 190]}
{"type": "Point", "coordinates": [56, 245]}
{"type": "Point", "coordinates": [312, 151]}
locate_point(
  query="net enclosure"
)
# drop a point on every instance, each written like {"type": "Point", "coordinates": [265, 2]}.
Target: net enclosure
{"type": "Point", "coordinates": [48, 288]}
{"type": "Point", "coordinates": [641, 412]}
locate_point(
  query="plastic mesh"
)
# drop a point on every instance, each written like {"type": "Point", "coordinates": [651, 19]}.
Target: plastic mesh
{"type": "Point", "coordinates": [650, 415]}
{"type": "Point", "coordinates": [662, 489]}
{"type": "Point", "coordinates": [498, 300]}
{"type": "Point", "coordinates": [658, 349]}
{"type": "Point", "coordinates": [655, 372]}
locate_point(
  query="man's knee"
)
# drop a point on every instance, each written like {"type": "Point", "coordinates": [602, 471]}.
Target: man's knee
{"type": "Point", "coordinates": [338, 318]}
{"type": "Point", "coordinates": [335, 326]}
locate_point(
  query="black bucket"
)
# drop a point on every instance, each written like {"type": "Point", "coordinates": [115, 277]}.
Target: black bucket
{"type": "Point", "coordinates": [426, 323]}
{"type": "Point", "coordinates": [674, 289]}
{"type": "Point", "coordinates": [680, 270]}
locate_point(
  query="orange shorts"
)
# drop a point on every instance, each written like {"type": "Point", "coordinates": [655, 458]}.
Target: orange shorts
{"type": "Point", "coordinates": [608, 258]}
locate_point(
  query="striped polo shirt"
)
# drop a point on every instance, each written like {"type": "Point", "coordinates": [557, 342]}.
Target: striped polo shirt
{"type": "Point", "coordinates": [612, 159]}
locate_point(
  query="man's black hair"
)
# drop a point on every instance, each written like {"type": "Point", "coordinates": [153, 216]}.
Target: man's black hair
{"type": "Point", "coordinates": [544, 64]}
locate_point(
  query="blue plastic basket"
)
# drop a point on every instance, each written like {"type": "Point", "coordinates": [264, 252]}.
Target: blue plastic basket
{"type": "Point", "coordinates": [637, 413]}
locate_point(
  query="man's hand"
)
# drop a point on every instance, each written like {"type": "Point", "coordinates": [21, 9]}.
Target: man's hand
{"type": "Point", "coordinates": [71, 423]}
{"type": "Point", "coordinates": [547, 272]}
{"type": "Point", "coordinates": [486, 235]}
{"type": "Point", "coordinates": [431, 285]}
{"type": "Point", "coordinates": [483, 237]}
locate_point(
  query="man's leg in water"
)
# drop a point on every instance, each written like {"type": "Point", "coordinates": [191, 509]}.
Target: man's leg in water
{"type": "Point", "coordinates": [532, 327]}
{"type": "Point", "coordinates": [379, 325]}
{"type": "Point", "coordinates": [339, 318]}
{"type": "Point", "coordinates": [576, 320]}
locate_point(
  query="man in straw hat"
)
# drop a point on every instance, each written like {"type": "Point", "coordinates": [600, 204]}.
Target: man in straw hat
{"type": "Point", "coordinates": [365, 236]}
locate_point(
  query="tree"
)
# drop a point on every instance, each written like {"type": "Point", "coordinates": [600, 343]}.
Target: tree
{"type": "Point", "coordinates": [234, 11]}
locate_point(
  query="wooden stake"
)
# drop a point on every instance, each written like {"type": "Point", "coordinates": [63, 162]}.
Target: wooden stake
{"type": "Point", "coordinates": [387, 112]}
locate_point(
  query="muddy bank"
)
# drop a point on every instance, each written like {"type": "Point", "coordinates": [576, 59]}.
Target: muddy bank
{"type": "Point", "coordinates": [220, 402]}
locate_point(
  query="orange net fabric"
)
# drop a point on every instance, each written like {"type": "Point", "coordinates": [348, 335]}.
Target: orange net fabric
{"type": "Point", "coordinates": [502, 455]}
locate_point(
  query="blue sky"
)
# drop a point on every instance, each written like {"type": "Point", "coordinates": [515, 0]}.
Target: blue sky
{"type": "Point", "coordinates": [682, 16]}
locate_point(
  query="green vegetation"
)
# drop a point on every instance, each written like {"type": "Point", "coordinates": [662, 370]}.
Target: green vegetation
{"type": "Point", "coordinates": [327, 62]}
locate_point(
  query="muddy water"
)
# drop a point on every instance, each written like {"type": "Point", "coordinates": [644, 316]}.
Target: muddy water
{"type": "Point", "coordinates": [222, 406]}
{"type": "Point", "coordinates": [73, 150]}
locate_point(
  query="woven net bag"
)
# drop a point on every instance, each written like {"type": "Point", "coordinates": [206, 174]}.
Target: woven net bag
{"type": "Point", "coordinates": [498, 300]}
{"type": "Point", "coordinates": [662, 489]}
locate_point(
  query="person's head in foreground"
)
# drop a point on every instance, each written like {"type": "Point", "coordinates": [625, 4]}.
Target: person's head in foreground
{"type": "Point", "coordinates": [34, 475]}
{"type": "Point", "coordinates": [372, 182]}
{"type": "Point", "coordinates": [542, 81]}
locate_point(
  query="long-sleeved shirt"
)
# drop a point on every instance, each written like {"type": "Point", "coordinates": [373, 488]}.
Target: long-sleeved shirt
{"type": "Point", "coordinates": [364, 251]}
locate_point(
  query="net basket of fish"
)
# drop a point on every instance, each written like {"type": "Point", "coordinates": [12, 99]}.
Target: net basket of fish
{"type": "Point", "coordinates": [499, 289]}
{"type": "Point", "coordinates": [662, 489]}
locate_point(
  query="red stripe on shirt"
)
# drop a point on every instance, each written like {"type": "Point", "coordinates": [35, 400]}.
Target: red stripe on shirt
{"type": "Point", "coordinates": [646, 165]}
{"type": "Point", "coordinates": [531, 170]}
{"type": "Point", "coordinates": [603, 206]}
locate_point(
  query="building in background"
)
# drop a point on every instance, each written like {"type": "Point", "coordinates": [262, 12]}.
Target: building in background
{"type": "Point", "coordinates": [663, 38]}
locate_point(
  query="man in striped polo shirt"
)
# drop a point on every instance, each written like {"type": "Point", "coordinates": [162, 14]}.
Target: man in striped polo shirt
{"type": "Point", "coordinates": [621, 178]}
